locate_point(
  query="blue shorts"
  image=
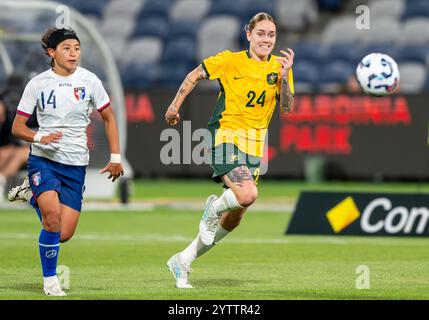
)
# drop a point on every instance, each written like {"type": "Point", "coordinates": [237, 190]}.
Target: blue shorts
{"type": "Point", "coordinates": [67, 180]}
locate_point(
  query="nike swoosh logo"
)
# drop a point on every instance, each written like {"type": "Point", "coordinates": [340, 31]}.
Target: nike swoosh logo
{"type": "Point", "coordinates": [238, 78]}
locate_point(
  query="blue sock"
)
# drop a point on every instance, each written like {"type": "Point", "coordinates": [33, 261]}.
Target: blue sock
{"type": "Point", "coordinates": [49, 247]}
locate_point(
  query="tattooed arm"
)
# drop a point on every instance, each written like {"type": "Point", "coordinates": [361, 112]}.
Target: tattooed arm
{"type": "Point", "coordinates": [172, 115]}
{"type": "Point", "coordinates": [286, 95]}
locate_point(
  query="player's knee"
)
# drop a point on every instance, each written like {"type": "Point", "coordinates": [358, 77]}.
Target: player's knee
{"type": "Point", "coordinates": [248, 196]}
{"type": "Point", "coordinates": [66, 236]}
{"type": "Point", "coordinates": [52, 221]}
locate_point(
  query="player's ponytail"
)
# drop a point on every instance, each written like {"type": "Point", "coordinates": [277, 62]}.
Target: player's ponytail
{"type": "Point", "coordinates": [261, 16]}
{"type": "Point", "coordinates": [45, 41]}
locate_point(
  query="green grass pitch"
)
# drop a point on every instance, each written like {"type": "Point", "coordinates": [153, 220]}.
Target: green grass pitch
{"type": "Point", "coordinates": [122, 254]}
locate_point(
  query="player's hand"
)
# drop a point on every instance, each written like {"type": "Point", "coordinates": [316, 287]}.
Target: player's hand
{"type": "Point", "coordinates": [51, 138]}
{"type": "Point", "coordinates": [115, 169]}
{"type": "Point", "coordinates": [286, 61]}
{"type": "Point", "coordinates": [172, 115]}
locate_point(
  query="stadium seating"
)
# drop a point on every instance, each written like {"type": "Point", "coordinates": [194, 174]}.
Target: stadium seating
{"type": "Point", "coordinates": [140, 76]}
{"type": "Point", "coordinates": [126, 9]}
{"type": "Point", "coordinates": [248, 8]}
{"type": "Point", "coordinates": [194, 10]}
{"type": "Point", "coordinates": [171, 74]}
{"type": "Point", "coordinates": [181, 49]}
{"type": "Point", "coordinates": [216, 34]}
{"type": "Point", "coordinates": [117, 27]}
{"type": "Point", "coordinates": [166, 33]}
{"type": "Point", "coordinates": [296, 15]}
{"type": "Point", "coordinates": [225, 7]}
{"type": "Point", "coordinates": [155, 8]}
{"type": "Point", "coordinates": [415, 9]}
{"type": "Point", "coordinates": [155, 26]}
{"type": "Point", "coordinates": [306, 74]}
{"type": "Point", "coordinates": [345, 52]}
{"type": "Point", "coordinates": [186, 28]}
{"type": "Point", "coordinates": [413, 77]}
{"type": "Point", "coordinates": [382, 30]}
{"type": "Point", "coordinates": [335, 75]}
{"type": "Point", "coordinates": [413, 53]}
{"type": "Point", "coordinates": [342, 29]}
{"type": "Point", "coordinates": [329, 5]}
{"type": "Point", "coordinates": [387, 8]}
{"type": "Point", "coordinates": [151, 46]}
{"type": "Point", "coordinates": [414, 31]}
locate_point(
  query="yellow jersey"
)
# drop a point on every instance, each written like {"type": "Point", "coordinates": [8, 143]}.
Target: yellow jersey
{"type": "Point", "coordinates": [247, 98]}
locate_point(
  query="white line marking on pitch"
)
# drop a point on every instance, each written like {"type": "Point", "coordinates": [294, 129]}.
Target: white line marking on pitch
{"type": "Point", "coordinates": [181, 238]}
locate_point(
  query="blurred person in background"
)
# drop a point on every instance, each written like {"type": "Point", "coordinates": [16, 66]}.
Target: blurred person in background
{"type": "Point", "coordinates": [251, 82]}
{"type": "Point", "coordinates": [64, 97]}
{"type": "Point", "coordinates": [13, 152]}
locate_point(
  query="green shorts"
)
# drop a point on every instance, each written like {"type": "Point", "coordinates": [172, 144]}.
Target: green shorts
{"type": "Point", "coordinates": [227, 157]}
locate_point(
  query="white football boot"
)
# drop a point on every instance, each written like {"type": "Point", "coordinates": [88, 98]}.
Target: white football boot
{"type": "Point", "coordinates": [22, 192]}
{"type": "Point", "coordinates": [53, 288]}
{"type": "Point", "coordinates": [209, 222]}
{"type": "Point", "coordinates": [180, 272]}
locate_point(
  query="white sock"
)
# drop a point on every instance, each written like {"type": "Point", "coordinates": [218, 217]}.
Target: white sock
{"type": "Point", "coordinates": [197, 248]}
{"type": "Point", "coordinates": [220, 233]}
{"type": "Point", "coordinates": [49, 281]}
{"type": "Point", "coordinates": [194, 250]}
{"type": "Point", "coordinates": [226, 202]}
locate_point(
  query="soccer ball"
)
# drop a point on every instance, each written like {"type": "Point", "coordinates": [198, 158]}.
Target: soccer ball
{"type": "Point", "coordinates": [378, 74]}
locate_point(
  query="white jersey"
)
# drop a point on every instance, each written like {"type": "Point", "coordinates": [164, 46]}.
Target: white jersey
{"type": "Point", "coordinates": [64, 104]}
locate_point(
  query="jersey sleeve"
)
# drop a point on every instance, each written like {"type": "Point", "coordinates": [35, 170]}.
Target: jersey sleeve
{"type": "Point", "coordinates": [214, 65]}
{"type": "Point", "coordinates": [100, 98]}
{"type": "Point", "coordinates": [28, 100]}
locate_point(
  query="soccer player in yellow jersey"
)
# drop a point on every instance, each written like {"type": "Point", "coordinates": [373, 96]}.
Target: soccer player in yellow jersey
{"type": "Point", "coordinates": [251, 82]}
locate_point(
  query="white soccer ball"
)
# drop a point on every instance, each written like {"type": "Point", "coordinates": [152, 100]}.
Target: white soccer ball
{"type": "Point", "coordinates": [378, 74]}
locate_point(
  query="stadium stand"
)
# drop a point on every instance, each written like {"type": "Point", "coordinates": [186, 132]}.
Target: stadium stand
{"type": "Point", "coordinates": [148, 36]}
{"type": "Point", "coordinates": [387, 8]}
{"type": "Point", "coordinates": [296, 15]}
{"type": "Point", "coordinates": [194, 10]}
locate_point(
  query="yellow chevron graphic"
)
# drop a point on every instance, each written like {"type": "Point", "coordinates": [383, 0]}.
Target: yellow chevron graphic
{"type": "Point", "coordinates": [343, 214]}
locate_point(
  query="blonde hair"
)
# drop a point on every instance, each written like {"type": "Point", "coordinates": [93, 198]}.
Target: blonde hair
{"type": "Point", "coordinates": [261, 16]}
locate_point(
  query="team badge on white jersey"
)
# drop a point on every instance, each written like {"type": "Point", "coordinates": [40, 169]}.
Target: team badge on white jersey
{"type": "Point", "coordinates": [79, 93]}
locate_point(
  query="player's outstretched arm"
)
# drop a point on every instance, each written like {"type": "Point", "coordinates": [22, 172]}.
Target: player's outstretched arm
{"type": "Point", "coordinates": [114, 167]}
{"type": "Point", "coordinates": [286, 95]}
{"type": "Point", "coordinates": [172, 115]}
{"type": "Point", "coordinates": [21, 131]}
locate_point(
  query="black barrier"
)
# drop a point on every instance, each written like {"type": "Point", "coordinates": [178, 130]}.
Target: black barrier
{"type": "Point", "coordinates": [327, 213]}
{"type": "Point", "coordinates": [351, 136]}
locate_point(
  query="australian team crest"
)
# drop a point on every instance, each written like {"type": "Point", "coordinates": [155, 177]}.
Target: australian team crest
{"type": "Point", "coordinates": [79, 93]}
{"type": "Point", "coordinates": [36, 177]}
{"type": "Point", "coordinates": [272, 78]}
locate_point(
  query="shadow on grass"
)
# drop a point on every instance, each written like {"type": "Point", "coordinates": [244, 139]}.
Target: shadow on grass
{"type": "Point", "coordinates": [223, 283]}
{"type": "Point", "coordinates": [24, 287]}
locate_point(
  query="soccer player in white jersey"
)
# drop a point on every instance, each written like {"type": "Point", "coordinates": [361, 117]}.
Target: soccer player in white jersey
{"type": "Point", "coordinates": [63, 97]}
